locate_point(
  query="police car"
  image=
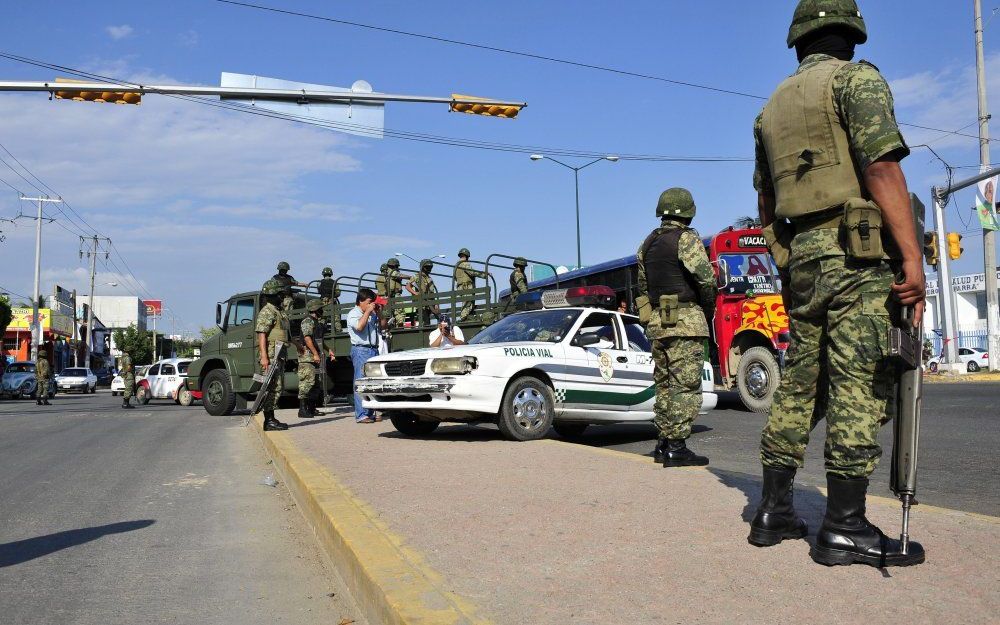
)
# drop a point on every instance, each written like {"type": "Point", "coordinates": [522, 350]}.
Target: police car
{"type": "Point", "coordinates": [566, 362]}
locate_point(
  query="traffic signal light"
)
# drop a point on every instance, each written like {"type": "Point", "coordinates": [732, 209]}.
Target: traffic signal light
{"type": "Point", "coordinates": [489, 110]}
{"type": "Point", "coordinates": [116, 97]}
{"type": "Point", "coordinates": [955, 245]}
{"type": "Point", "coordinates": [931, 254]}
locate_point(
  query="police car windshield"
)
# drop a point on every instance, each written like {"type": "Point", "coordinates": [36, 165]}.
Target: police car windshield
{"type": "Point", "coordinates": [21, 369]}
{"type": "Point", "coordinates": [542, 326]}
{"type": "Point", "coordinates": [750, 274]}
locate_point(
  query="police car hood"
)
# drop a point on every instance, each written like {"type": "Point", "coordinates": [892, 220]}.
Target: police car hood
{"type": "Point", "coordinates": [458, 350]}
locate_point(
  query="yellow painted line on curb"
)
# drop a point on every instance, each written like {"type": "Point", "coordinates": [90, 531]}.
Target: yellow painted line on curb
{"type": "Point", "coordinates": [885, 501]}
{"type": "Point", "coordinates": [391, 581]}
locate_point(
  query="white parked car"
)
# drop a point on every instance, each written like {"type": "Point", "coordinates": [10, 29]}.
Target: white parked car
{"type": "Point", "coordinates": [974, 358]}
{"type": "Point", "coordinates": [165, 380]}
{"type": "Point", "coordinates": [563, 366]}
{"type": "Point", "coordinates": [76, 379]}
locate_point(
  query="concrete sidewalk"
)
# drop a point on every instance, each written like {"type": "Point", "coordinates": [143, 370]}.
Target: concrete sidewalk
{"type": "Point", "coordinates": [553, 533]}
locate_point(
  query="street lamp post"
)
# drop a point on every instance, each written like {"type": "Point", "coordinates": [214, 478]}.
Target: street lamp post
{"type": "Point", "coordinates": [576, 182]}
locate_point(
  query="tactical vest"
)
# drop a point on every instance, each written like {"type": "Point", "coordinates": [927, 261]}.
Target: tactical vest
{"type": "Point", "coordinates": [279, 331]}
{"type": "Point", "coordinates": [664, 273]}
{"type": "Point", "coordinates": [326, 287]}
{"type": "Point", "coordinates": [462, 277]}
{"type": "Point", "coordinates": [808, 149]}
{"type": "Point", "coordinates": [285, 280]}
{"type": "Point", "coordinates": [380, 285]}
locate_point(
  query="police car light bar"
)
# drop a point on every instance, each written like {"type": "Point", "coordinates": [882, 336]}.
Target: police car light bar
{"type": "Point", "coordinates": [597, 296]}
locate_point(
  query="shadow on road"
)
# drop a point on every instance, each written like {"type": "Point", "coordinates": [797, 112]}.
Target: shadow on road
{"type": "Point", "coordinates": [810, 503]}
{"type": "Point", "coordinates": [317, 421]}
{"type": "Point", "coordinates": [21, 551]}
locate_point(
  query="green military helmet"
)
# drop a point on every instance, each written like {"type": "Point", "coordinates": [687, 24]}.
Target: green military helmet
{"type": "Point", "coordinates": [272, 287]}
{"type": "Point", "coordinates": [382, 267]}
{"type": "Point", "coordinates": [327, 272]}
{"type": "Point", "coordinates": [521, 262]}
{"type": "Point", "coordinates": [314, 305]}
{"type": "Point", "coordinates": [392, 262]}
{"type": "Point", "coordinates": [427, 264]}
{"type": "Point", "coordinates": [676, 203]}
{"type": "Point", "coordinates": [812, 15]}
{"type": "Point", "coordinates": [465, 252]}
{"type": "Point", "coordinates": [284, 266]}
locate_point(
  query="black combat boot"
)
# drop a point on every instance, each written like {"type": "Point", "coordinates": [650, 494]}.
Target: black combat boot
{"type": "Point", "coordinates": [775, 519]}
{"type": "Point", "coordinates": [126, 403]}
{"type": "Point", "coordinates": [271, 424]}
{"type": "Point", "coordinates": [313, 410]}
{"type": "Point", "coordinates": [38, 401]}
{"type": "Point", "coordinates": [660, 452]}
{"type": "Point", "coordinates": [678, 455]}
{"type": "Point", "coordinates": [305, 409]}
{"type": "Point", "coordinates": [45, 401]}
{"type": "Point", "coordinates": [847, 537]}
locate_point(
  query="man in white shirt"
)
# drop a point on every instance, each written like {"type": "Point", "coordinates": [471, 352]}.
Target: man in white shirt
{"type": "Point", "coordinates": [446, 336]}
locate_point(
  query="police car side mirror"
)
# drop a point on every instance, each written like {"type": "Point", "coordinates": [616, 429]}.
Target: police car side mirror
{"type": "Point", "coordinates": [583, 340]}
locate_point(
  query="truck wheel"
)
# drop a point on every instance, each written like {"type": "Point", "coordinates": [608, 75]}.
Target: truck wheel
{"type": "Point", "coordinates": [142, 395]}
{"type": "Point", "coordinates": [218, 397]}
{"type": "Point", "coordinates": [408, 423]}
{"type": "Point", "coordinates": [569, 429]}
{"type": "Point", "coordinates": [527, 410]}
{"type": "Point", "coordinates": [184, 397]}
{"type": "Point", "coordinates": [757, 378]}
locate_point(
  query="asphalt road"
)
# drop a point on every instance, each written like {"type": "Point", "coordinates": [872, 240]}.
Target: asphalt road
{"type": "Point", "coordinates": [959, 439]}
{"type": "Point", "coordinates": [153, 515]}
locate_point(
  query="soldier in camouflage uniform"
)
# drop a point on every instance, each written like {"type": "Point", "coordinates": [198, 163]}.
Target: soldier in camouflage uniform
{"type": "Point", "coordinates": [677, 290]}
{"type": "Point", "coordinates": [310, 356]}
{"type": "Point", "coordinates": [327, 286]}
{"type": "Point", "coordinates": [518, 281]}
{"type": "Point", "coordinates": [465, 280]}
{"type": "Point", "coordinates": [394, 285]}
{"type": "Point", "coordinates": [271, 328]}
{"type": "Point", "coordinates": [422, 285]}
{"type": "Point", "coordinates": [42, 373]}
{"type": "Point", "coordinates": [836, 120]}
{"type": "Point", "coordinates": [128, 380]}
{"type": "Point", "coordinates": [287, 281]}
{"type": "Point", "coordinates": [381, 282]}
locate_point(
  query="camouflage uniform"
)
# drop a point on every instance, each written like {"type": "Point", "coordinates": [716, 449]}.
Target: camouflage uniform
{"type": "Point", "coordinates": [465, 280]}
{"type": "Point", "coordinates": [518, 283]}
{"type": "Point", "coordinates": [394, 286]}
{"type": "Point", "coordinates": [42, 373]}
{"type": "Point", "coordinates": [423, 283]}
{"type": "Point", "coordinates": [678, 351]}
{"type": "Point", "coordinates": [274, 323]}
{"type": "Point", "coordinates": [839, 309]}
{"type": "Point", "coordinates": [307, 364]}
{"type": "Point", "coordinates": [326, 290]}
{"type": "Point", "coordinates": [288, 281]}
{"type": "Point", "coordinates": [128, 378]}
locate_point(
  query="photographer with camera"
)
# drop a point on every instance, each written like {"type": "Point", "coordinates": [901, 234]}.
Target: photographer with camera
{"type": "Point", "coordinates": [363, 325]}
{"type": "Point", "coordinates": [446, 335]}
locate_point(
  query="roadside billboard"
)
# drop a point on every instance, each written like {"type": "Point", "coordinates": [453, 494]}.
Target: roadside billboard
{"type": "Point", "coordinates": [154, 307]}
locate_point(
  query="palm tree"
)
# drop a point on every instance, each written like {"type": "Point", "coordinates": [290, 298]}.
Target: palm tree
{"type": "Point", "coordinates": [747, 221]}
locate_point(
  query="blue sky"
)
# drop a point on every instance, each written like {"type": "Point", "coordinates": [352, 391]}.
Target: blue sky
{"type": "Point", "coordinates": [202, 203]}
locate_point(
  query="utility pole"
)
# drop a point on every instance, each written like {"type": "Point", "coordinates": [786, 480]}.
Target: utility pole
{"type": "Point", "coordinates": [36, 327]}
{"type": "Point", "coordinates": [949, 329]}
{"type": "Point", "coordinates": [989, 236]}
{"type": "Point", "coordinates": [90, 306]}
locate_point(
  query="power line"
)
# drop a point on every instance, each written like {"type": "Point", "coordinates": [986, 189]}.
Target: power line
{"type": "Point", "coordinates": [7, 291]}
{"type": "Point", "coordinates": [536, 56]}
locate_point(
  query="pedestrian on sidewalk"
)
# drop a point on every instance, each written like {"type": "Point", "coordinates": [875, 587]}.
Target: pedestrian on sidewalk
{"type": "Point", "coordinates": [837, 216]}
{"type": "Point", "coordinates": [363, 326]}
{"type": "Point", "coordinates": [676, 301]}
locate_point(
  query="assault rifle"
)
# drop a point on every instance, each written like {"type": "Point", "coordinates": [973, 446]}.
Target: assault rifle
{"type": "Point", "coordinates": [277, 367]}
{"type": "Point", "coordinates": [906, 346]}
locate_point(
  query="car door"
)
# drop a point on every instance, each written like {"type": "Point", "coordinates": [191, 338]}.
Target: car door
{"type": "Point", "coordinates": [151, 377]}
{"type": "Point", "coordinates": [597, 382]}
{"type": "Point", "coordinates": [166, 382]}
{"type": "Point", "coordinates": [640, 367]}
{"type": "Point", "coordinates": [240, 339]}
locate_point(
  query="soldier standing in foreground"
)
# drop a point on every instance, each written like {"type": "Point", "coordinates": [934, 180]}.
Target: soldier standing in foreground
{"type": "Point", "coordinates": [128, 379]}
{"type": "Point", "coordinates": [42, 373]}
{"type": "Point", "coordinates": [422, 285]}
{"type": "Point", "coordinates": [271, 327]}
{"type": "Point", "coordinates": [518, 281]}
{"type": "Point", "coordinates": [676, 297]}
{"type": "Point", "coordinates": [309, 359]}
{"type": "Point", "coordinates": [465, 280]}
{"type": "Point", "coordinates": [829, 185]}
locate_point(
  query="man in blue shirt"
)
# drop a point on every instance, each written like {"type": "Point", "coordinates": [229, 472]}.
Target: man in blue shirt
{"type": "Point", "coordinates": [363, 324]}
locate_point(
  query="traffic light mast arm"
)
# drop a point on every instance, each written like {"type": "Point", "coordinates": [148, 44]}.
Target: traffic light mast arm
{"type": "Point", "coordinates": [345, 96]}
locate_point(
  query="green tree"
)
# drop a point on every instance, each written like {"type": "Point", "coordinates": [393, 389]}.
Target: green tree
{"type": "Point", "coordinates": [185, 348]}
{"type": "Point", "coordinates": [139, 344]}
{"type": "Point", "coordinates": [207, 333]}
{"type": "Point", "coordinates": [5, 313]}
{"type": "Point", "coordinates": [746, 222]}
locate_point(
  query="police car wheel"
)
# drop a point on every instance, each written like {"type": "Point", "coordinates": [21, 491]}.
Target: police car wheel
{"type": "Point", "coordinates": [757, 378]}
{"type": "Point", "coordinates": [184, 397]}
{"type": "Point", "coordinates": [527, 410]}
{"type": "Point", "coordinates": [409, 424]}
{"type": "Point", "coordinates": [569, 429]}
{"type": "Point", "coordinates": [142, 395]}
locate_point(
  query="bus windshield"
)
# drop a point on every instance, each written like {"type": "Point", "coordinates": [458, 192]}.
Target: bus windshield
{"type": "Point", "coordinates": [749, 274]}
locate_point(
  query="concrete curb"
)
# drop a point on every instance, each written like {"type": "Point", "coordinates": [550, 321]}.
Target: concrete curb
{"type": "Point", "coordinates": [934, 378]}
{"type": "Point", "coordinates": [391, 582]}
